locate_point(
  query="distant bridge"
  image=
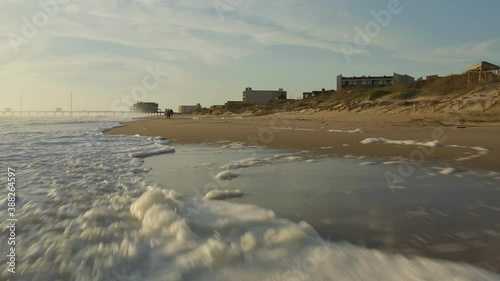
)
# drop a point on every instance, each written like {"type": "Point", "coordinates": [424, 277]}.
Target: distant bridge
{"type": "Point", "coordinates": [77, 113]}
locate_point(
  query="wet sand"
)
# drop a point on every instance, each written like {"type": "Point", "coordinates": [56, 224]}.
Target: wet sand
{"type": "Point", "coordinates": [450, 217]}
{"type": "Point", "coordinates": [312, 132]}
{"type": "Point", "coordinates": [447, 217]}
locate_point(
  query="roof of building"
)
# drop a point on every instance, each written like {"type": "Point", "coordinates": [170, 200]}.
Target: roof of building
{"type": "Point", "coordinates": [483, 66]}
{"type": "Point", "coordinates": [367, 77]}
{"type": "Point", "coordinates": [320, 92]}
{"type": "Point", "coordinates": [265, 91]}
{"type": "Point", "coordinates": [145, 103]}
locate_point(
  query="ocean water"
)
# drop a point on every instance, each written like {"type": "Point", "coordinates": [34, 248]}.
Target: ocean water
{"type": "Point", "coordinates": [87, 210]}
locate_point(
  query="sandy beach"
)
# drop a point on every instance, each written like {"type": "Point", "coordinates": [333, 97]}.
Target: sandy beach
{"type": "Point", "coordinates": [473, 145]}
{"type": "Point", "coordinates": [353, 203]}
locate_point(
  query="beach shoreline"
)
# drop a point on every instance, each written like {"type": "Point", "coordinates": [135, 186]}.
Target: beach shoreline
{"type": "Point", "coordinates": [338, 134]}
{"type": "Point", "coordinates": [337, 211]}
{"type": "Point", "coordinates": [345, 200]}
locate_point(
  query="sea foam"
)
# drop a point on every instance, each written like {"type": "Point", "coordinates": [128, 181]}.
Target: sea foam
{"type": "Point", "coordinates": [88, 213]}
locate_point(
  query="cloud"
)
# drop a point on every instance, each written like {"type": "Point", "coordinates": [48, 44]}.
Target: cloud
{"type": "Point", "coordinates": [476, 49]}
{"type": "Point", "coordinates": [169, 25]}
{"type": "Point", "coordinates": [458, 54]}
{"type": "Point", "coordinates": [107, 44]}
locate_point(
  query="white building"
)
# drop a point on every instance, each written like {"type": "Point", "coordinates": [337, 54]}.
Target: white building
{"type": "Point", "coordinates": [184, 109]}
{"type": "Point", "coordinates": [262, 96]}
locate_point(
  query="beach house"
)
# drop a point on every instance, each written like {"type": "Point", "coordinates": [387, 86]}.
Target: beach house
{"type": "Point", "coordinates": [485, 71]}
{"type": "Point", "coordinates": [344, 83]}
{"type": "Point", "coordinates": [323, 92]}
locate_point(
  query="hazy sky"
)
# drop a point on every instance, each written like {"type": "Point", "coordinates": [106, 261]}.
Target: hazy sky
{"type": "Point", "coordinates": [206, 51]}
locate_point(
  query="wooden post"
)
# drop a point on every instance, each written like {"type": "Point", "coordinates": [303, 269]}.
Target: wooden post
{"type": "Point", "coordinates": [414, 107]}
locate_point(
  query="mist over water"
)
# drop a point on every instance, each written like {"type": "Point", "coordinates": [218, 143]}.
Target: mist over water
{"type": "Point", "coordinates": [86, 211]}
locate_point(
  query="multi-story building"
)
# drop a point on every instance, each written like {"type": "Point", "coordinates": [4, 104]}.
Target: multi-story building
{"type": "Point", "coordinates": [262, 96]}
{"type": "Point", "coordinates": [184, 109]}
{"type": "Point", "coordinates": [145, 107]}
{"type": "Point", "coordinates": [344, 83]}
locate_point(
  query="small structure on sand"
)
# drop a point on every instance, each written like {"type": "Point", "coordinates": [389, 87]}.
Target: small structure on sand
{"type": "Point", "coordinates": [323, 92]}
{"type": "Point", "coordinates": [484, 70]}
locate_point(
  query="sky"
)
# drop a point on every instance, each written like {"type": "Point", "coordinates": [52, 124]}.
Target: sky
{"type": "Point", "coordinates": [110, 54]}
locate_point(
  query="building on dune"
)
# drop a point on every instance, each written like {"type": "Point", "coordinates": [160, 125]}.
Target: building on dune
{"type": "Point", "coordinates": [263, 96]}
{"type": "Point", "coordinates": [363, 82]}
{"type": "Point", "coordinates": [145, 107]}
{"type": "Point", "coordinates": [323, 92]}
{"type": "Point", "coordinates": [234, 102]}
{"type": "Point", "coordinates": [485, 71]}
{"type": "Point", "coordinates": [184, 109]}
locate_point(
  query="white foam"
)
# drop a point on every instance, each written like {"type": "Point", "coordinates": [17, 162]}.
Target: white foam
{"type": "Point", "coordinates": [355, 131]}
{"type": "Point", "coordinates": [395, 187]}
{"type": "Point", "coordinates": [304, 129]}
{"type": "Point", "coordinates": [447, 171]}
{"type": "Point", "coordinates": [481, 151]}
{"type": "Point", "coordinates": [292, 158]}
{"type": "Point", "coordinates": [157, 151]}
{"type": "Point", "coordinates": [249, 240]}
{"type": "Point", "coordinates": [235, 145]}
{"type": "Point", "coordinates": [223, 194]}
{"type": "Point", "coordinates": [252, 162]}
{"type": "Point", "coordinates": [292, 129]}
{"type": "Point", "coordinates": [395, 162]}
{"type": "Point", "coordinates": [433, 143]}
{"type": "Point", "coordinates": [88, 214]}
{"type": "Point", "coordinates": [226, 175]}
